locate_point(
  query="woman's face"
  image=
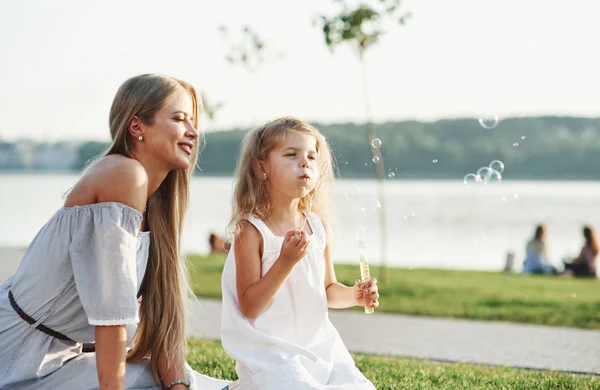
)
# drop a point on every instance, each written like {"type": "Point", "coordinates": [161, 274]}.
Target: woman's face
{"type": "Point", "coordinates": [172, 138]}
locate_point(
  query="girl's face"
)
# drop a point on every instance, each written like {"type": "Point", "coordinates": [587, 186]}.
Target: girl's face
{"type": "Point", "coordinates": [172, 137]}
{"type": "Point", "coordinates": [291, 167]}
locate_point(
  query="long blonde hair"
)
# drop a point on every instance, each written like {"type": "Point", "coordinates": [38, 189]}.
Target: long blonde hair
{"type": "Point", "coordinates": [250, 196]}
{"type": "Point", "coordinates": [162, 312]}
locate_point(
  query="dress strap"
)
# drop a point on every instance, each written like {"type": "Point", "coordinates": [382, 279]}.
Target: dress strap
{"type": "Point", "coordinates": [316, 225]}
{"type": "Point", "coordinates": [260, 225]}
{"type": "Point", "coordinates": [271, 242]}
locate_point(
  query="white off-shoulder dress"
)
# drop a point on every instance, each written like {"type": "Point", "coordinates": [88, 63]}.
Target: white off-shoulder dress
{"type": "Point", "coordinates": [83, 269]}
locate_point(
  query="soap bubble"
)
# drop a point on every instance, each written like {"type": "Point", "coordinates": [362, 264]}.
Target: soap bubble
{"type": "Point", "coordinates": [489, 122]}
{"type": "Point", "coordinates": [370, 206]}
{"type": "Point", "coordinates": [471, 179]}
{"type": "Point", "coordinates": [353, 194]}
{"type": "Point", "coordinates": [484, 173]}
{"type": "Point", "coordinates": [495, 177]}
{"type": "Point", "coordinates": [497, 165]}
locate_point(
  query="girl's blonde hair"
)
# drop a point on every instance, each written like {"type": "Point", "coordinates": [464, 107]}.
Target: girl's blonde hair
{"type": "Point", "coordinates": [250, 196]}
{"type": "Point", "coordinates": [161, 331]}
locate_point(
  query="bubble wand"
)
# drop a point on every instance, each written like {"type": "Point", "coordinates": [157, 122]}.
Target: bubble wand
{"type": "Point", "coordinates": [364, 262]}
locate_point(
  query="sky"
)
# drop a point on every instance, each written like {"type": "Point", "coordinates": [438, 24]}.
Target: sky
{"type": "Point", "coordinates": [61, 62]}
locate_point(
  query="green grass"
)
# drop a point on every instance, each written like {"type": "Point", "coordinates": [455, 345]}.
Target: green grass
{"type": "Point", "coordinates": [208, 357]}
{"type": "Point", "coordinates": [544, 300]}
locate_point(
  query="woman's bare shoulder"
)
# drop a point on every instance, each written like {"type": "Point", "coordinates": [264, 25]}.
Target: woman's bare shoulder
{"type": "Point", "coordinates": [113, 178]}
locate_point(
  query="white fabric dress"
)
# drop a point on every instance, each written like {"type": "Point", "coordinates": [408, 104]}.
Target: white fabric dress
{"type": "Point", "coordinates": [292, 344]}
{"type": "Point", "coordinates": [83, 268]}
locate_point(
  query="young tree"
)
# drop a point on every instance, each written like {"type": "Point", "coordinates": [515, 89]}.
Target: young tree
{"type": "Point", "coordinates": [210, 108]}
{"type": "Point", "coordinates": [362, 26]}
{"type": "Point", "coordinates": [250, 52]}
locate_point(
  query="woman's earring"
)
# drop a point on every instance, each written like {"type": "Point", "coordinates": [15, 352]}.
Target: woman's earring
{"type": "Point", "coordinates": [265, 175]}
{"type": "Point", "coordinates": [140, 138]}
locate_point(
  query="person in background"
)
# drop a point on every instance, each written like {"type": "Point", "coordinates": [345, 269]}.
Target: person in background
{"type": "Point", "coordinates": [536, 256]}
{"type": "Point", "coordinates": [585, 264]}
{"type": "Point", "coordinates": [217, 244]}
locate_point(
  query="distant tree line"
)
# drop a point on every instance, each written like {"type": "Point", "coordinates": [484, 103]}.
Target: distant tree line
{"type": "Point", "coordinates": [531, 148]}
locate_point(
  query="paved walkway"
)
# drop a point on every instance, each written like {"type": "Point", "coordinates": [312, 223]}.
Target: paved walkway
{"type": "Point", "coordinates": [480, 342]}
{"type": "Point", "coordinates": [495, 343]}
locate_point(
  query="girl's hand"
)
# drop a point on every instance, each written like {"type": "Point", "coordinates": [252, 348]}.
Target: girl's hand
{"type": "Point", "coordinates": [295, 244]}
{"type": "Point", "coordinates": [367, 293]}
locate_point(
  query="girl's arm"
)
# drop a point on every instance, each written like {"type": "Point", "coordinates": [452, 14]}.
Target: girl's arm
{"type": "Point", "coordinates": [340, 296]}
{"type": "Point", "coordinates": [255, 294]}
{"type": "Point", "coordinates": [111, 344]}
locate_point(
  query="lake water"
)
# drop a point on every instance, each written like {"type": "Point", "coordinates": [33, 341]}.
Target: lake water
{"type": "Point", "coordinates": [442, 224]}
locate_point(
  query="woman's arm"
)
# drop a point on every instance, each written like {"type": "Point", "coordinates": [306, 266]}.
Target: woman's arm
{"type": "Point", "coordinates": [111, 344]}
{"type": "Point", "coordinates": [124, 181]}
{"type": "Point", "coordinates": [174, 370]}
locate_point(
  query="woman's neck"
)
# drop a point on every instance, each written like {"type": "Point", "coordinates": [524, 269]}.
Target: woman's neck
{"type": "Point", "coordinates": [156, 173]}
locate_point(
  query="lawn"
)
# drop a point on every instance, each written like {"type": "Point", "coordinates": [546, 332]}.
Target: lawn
{"type": "Point", "coordinates": [208, 357]}
{"type": "Point", "coordinates": [543, 300]}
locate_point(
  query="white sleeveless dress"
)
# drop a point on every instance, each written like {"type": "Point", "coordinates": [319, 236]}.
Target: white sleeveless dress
{"type": "Point", "coordinates": [292, 344]}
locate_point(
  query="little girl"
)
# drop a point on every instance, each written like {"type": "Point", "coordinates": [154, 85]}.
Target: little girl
{"type": "Point", "coordinates": [279, 279]}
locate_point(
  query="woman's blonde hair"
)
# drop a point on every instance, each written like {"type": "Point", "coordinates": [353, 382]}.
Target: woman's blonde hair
{"type": "Point", "coordinates": [250, 196]}
{"type": "Point", "coordinates": [161, 331]}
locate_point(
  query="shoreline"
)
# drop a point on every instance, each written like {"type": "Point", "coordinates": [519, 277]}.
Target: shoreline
{"type": "Point", "coordinates": [412, 178]}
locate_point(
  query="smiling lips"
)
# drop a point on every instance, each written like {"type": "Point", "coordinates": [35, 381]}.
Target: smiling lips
{"type": "Point", "coordinates": [186, 147]}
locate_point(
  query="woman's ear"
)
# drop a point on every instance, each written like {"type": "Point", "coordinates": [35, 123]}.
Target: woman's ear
{"type": "Point", "coordinates": [260, 170]}
{"type": "Point", "coordinates": [136, 128]}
